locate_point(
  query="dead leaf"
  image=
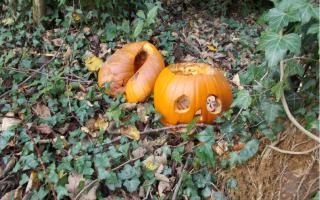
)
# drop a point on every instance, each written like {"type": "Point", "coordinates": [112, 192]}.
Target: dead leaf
{"type": "Point", "coordinates": [67, 54]}
{"type": "Point", "coordinates": [91, 194]}
{"type": "Point", "coordinates": [139, 152]}
{"type": "Point", "coordinates": [8, 122]}
{"type": "Point", "coordinates": [163, 187]}
{"type": "Point", "coordinates": [76, 17]}
{"type": "Point", "coordinates": [64, 129]}
{"type": "Point", "coordinates": [128, 106]}
{"type": "Point", "coordinates": [238, 147]}
{"type": "Point", "coordinates": [57, 42]}
{"type": "Point", "coordinates": [41, 111]}
{"type": "Point", "coordinates": [13, 194]}
{"type": "Point", "coordinates": [74, 180]}
{"type": "Point", "coordinates": [236, 81]}
{"type": "Point", "coordinates": [33, 182]}
{"type": "Point", "coordinates": [101, 124]}
{"type": "Point", "coordinates": [161, 177]}
{"type": "Point", "coordinates": [44, 129]}
{"type": "Point", "coordinates": [93, 63]}
{"type": "Point", "coordinates": [86, 30]}
{"type": "Point", "coordinates": [142, 113]}
{"type": "Point", "coordinates": [7, 21]}
{"type": "Point", "coordinates": [131, 132]}
{"type": "Point", "coordinates": [150, 163]}
{"type": "Point", "coordinates": [212, 48]}
{"type": "Point", "coordinates": [80, 96]}
{"type": "Point", "coordinates": [104, 50]}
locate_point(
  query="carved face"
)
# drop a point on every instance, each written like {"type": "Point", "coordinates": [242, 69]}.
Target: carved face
{"type": "Point", "coordinates": [187, 90]}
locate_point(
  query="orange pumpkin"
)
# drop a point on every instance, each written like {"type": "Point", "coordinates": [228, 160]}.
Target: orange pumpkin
{"type": "Point", "coordinates": [187, 90]}
{"type": "Point", "coordinates": [133, 69]}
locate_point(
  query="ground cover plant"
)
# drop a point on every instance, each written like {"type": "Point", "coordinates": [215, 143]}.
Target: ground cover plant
{"type": "Point", "coordinates": [63, 137]}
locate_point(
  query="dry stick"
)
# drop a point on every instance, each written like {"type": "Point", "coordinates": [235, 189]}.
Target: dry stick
{"type": "Point", "coordinates": [294, 152]}
{"type": "Point", "coordinates": [121, 165]}
{"type": "Point", "coordinates": [176, 190]}
{"type": "Point", "coordinates": [287, 110]}
{"type": "Point", "coordinates": [42, 165]}
{"type": "Point", "coordinates": [89, 186]}
{"type": "Point", "coordinates": [170, 127]}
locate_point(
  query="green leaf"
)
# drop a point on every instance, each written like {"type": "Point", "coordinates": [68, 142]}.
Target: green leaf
{"type": "Point", "coordinates": [4, 139]}
{"type": "Point", "coordinates": [128, 172]}
{"type": "Point", "coordinates": [112, 181]}
{"type": "Point", "coordinates": [61, 191]}
{"type": "Point", "coordinates": [279, 19]}
{"type": "Point", "coordinates": [152, 15]}
{"type": "Point", "coordinates": [250, 149]}
{"type": "Point", "coordinates": [270, 111]}
{"type": "Point", "coordinates": [138, 28]}
{"type": "Point", "coordinates": [243, 99]}
{"type": "Point", "coordinates": [207, 135]}
{"type": "Point", "coordinates": [102, 160]}
{"type": "Point", "coordinates": [111, 31]}
{"type": "Point", "coordinates": [293, 68]}
{"type": "Point", "coordinates": [177, 153]}
{"type": "Point", "coordinates": [141, 14]}
{"type": "Point", "coordinates": [232, 183]}
{"type": "Point", "coordinates": [276, 45]}
{"type": "Point", "coordinates": [277, 89]}
{"type": "Point", "coordinates": [205, 154]}
{"type": "Point", "coordinates": [131, 185]}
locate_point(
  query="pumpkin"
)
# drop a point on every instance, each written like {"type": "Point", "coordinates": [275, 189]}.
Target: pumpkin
{"type": "Point", "coordinates": [187, 90]}
{"type": "Point", "coordinates": [133, 69]}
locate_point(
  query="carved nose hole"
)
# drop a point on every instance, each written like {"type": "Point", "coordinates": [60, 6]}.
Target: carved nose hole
{"type": "Point", "coordinates": [198, 115]}
{"type": "Point", "coordinates": [213, 104]}
{"type": "Point", "coordinates": [182, 104]}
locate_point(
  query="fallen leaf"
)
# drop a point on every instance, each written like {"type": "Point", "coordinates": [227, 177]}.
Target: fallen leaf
{"type": "Point", "coordinates": [13, 194]}
{"type": "Point", "coordinates": [91, 194]}
{"type": "Point", "coordinates": [74, 180]}
{"type": "Point", "coordinates": [150, 163]}
{"type": "Point", "coordinates": [161, 177]}
{"type": "Point", "coordinates": [86, 30]}
{"type": "Point", "coordinates": [139, 152]}
{"type": "Point", "coordinates": [104, 50]}
{"type": "Point", "coordinates": [162, 187]}
{"type": "Point", "coordinates": [41, 111]}
{"type": "Point", "coordinates": [212, 48]}
{"type": "Point", "coordinates": [7, 21]}
{"type": "Point", "coordinates": [142, 113]}
{"type": "Point", "coordinates": [238, 147]}
{"type": "Point", "coordinates": [131, 132]}
{"type": "Point", "coordinates": [76, 16]}
{"type": "Point", "coordinates": [101, 124]}
{"type": "Point", "coordinates": [128, 106]}
{"type": "Point", "coordinates": [57, 42]}
{"type": "Point", "coordinates": [236, 81]}
{"type": "Point", "coordinates": [44, 129]}
{"type": "Point", "coordinates": [93, 63]}
{"type": "Point", "coordinates": [8, 122]}
{"type": "Point", "coordinates": [33, 182]}
{"type": "Point", "coordinates": [67, 54]}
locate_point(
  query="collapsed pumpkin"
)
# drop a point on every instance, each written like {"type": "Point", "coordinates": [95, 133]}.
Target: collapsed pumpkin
{"type": "Point", "coordinates": [133, 69]}
{"type": "Point", "coordinates": [187, 90]}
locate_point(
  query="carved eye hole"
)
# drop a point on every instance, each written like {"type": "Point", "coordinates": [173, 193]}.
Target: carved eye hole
{"type": "Point", "coordinates": [213, 104]}
{"type": "Point", "coordinates": [182, 104]}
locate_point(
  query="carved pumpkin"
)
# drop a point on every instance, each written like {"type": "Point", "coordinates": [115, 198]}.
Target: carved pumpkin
{"type": "Point", "coordinates": [187, 90]}
{"type": "Point", "coordinates": [133, 69]}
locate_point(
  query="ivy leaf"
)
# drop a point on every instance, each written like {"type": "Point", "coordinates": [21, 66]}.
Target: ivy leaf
{"type": "Point", "coordinates": [112, 181]}
{"type": "Point", "coordinates": [276, 45]}
{"type": "Point", "coordinates": [293, 68]}
{"type": "Point", "coordinates": [131, 185]}
{"type": "Point", "coordinates": [141, 14]}
{"type": "Point", "coordinates": [61, 191]}
{"type": "Point", "coordinates": [138, 28]}
{"type": "Point", "coordinates": [271, 111]}
{"type": "Point", "coordinates": [277, 89]}
{"type": "Point", "coordinates": [250, 149]}
{"type": "Point", "coordinates": [205, 154]}
{"type": "Point", "coordinates": [152, 15]}
{"type": "Point", "coordinates": [243, 99]}
{"type": "Point", "coordinates": [206, 135]}
{"type": "Point", "coordinates": [279, 19]}
{"type": "Point", "coordinates": [177, 153]}
{"type": "Point", "coordinates": [304, 10]}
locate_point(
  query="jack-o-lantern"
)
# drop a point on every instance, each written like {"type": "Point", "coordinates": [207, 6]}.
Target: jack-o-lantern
{"type": "Point", "coordinates": [187, 90]}
{"type": "Point", "coordinates": [133, 69]}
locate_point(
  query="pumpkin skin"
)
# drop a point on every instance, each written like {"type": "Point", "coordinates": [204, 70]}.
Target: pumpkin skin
{"type": "Point", "coordinates": [186, 90]}
{"type": "Point", "coordinates": [133, 69]}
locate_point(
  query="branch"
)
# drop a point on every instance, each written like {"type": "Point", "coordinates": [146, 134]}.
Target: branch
{"type": "Point", "coordinates": [294, 152]}
{"type": "Point", "coordinates": [176, 190]}
{"type": "Point", "coordinates": [171, 127]}
{"type": "Point", "coordinates": [287, 110]}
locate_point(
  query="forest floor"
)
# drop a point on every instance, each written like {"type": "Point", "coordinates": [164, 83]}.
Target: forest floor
{"type": "Point", "coordinates": [65, 122]}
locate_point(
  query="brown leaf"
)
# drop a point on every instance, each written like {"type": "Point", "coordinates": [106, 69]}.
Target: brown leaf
{"type": "Point", "coordinates": [64, 129]}
{"type": "Point", "coordinates": [163, 187]}
{"type": "Point", "coordinates": [91, 194]}
{"type": "Point", "coordinates": [33, 182]}
{"type": "Point", "coordinates": [67, 54]}
{"type": "Point", "coordinates": [236, 81]}
{"type": "Point", "coordinates": [139, 152]}
{"type": "Point", "coordinates": [58, 42]}
{"type": "Point", "coordinates": [161, 177]}
{"type": "Point", "coordinates": [131, 132]}
{"type": "Point", "coordinates": [44, 129]}
{"type": "Point", "coordinates": [128, 106]}
{"type": "Point", "coordinates": [41, 111]}
{"type": "Point", "coordinates": [8, 122]}
{"type": "Point", "coordinates": [142, 113]}
{"type": "Point", "coordinates": [13, 194]}
{"type": "Point", "coordinates": [74, 180]}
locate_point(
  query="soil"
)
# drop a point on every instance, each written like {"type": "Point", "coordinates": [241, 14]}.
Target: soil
{"type": "Point", "coordinates": [274, 175]}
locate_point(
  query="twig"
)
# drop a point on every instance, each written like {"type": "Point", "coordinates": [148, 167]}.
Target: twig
{"type": "Point", "coordinates": [42, 165]}
{"type": "Point", "coordinates": [236, 117]}
{"type": "Point", "coordinates": [89, 186]}
{"type": "Point", "coordinates": [176, 190]}
{"type": "Point", "coordinates": [299, 58]}
{"type": "Point", "coordinates": [128, 161]}
{"type": "Point", "coordinates": [287, 110]}
{"type": "Point", "coordinates": [171, 127]}
{"type": "Point", "coordinates": [294, 152]}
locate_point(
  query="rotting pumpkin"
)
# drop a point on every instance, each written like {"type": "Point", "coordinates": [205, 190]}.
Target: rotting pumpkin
{"type": "Point", "coordinates": [187, 90]}
{"type": "Point", "coordinates": [133, 69]}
